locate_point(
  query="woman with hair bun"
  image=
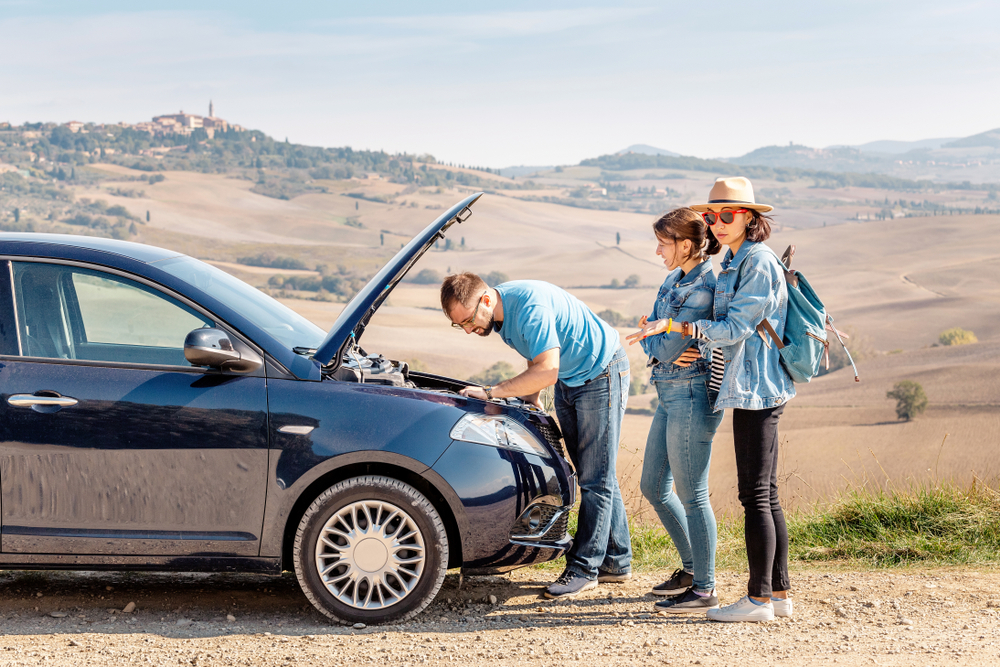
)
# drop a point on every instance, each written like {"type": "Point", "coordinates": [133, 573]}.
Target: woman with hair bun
{"type": "Point", "coordinates": [679, 445]}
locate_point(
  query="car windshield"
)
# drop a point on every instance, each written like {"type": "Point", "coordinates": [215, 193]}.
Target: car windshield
{"type": "Point", "coordinates": [278, 320]}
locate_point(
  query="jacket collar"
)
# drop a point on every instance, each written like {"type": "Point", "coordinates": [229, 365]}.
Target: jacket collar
{"type": "Point", "coordinates": [731, 262]}
{"type": "Point", "coordinates": [696, 272]}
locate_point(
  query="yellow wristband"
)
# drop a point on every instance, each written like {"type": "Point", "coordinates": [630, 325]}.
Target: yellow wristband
{"type": "Point", "coordinates": [670, 324]}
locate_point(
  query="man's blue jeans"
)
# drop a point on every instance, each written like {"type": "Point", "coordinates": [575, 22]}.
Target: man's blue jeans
{"type": "Point", "coordinates": [591, 420]}
{"type": "Point", "coordinates": [678, 452]}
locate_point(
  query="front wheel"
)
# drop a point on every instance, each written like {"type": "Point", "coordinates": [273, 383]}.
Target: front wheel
{"type": "Point", "coordinates": [370, 549]}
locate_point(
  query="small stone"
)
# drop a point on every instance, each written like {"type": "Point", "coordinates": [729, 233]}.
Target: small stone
{"type": "Point", "coordinates": [230, 618]}
{"type": "Point", "coordinates": [58, 614]}
{"type": "Point", "coordinates": [359, 626]}
{"type": "Point", "coordinates": [184, 622]}
{"type": "Point", "coordinates": [38, 595]}
{"type": "Point", "coordinates": [840, 612]}
{"type": "Point", "coordinates": [129, 608]}
{"type": "Point", "coordinates": [73, 642]}
{"type": "Point", "coordinates": [854, 588]}
{"type": "Point", "coordinates": [493, 599]}
{"type": "Point", "coordinates": [647, 644]}
{"type": "Point", "coordinates": [906, 621]}
{"type": "Point", "coordinates": [109, 588]}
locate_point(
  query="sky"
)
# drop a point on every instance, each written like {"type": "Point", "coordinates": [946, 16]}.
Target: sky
{"type": "Point", "coordinates": [508, 83]}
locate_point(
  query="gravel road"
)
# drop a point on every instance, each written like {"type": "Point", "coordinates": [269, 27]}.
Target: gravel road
{"type": "Point", "coordinates": [903, 617]}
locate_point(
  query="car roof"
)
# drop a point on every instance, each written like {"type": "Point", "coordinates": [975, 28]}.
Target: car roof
{"type": "Point", "coordinates": [137, 251]}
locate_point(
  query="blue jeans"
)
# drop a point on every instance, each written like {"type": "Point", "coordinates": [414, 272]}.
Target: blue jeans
{"type": "Point", "coordinates": [591, 420]}
{"type": "Point", "coordinates": [678, 452]}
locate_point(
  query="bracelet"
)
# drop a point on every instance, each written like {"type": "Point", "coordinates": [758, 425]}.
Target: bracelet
{"type": "Point", "coordinates": [670, 324]}
{"type": "Point", "coordinates": [685, 328]}
{"type": "Point", "coordinates": [489, 391]}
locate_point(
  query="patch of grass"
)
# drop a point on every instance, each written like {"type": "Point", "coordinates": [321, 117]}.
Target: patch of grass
{"type": "Point", "coordinates": [939, 525]}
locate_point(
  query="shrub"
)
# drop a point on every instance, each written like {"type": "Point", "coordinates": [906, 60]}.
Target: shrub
{"type": "Point", "coordinates": [632, 281]}
{"type": "Point", "coordinates": [495, 374]}
{"type": "Point", "coordinates": [426, 277]}
{"type": "Point", "coordinates": [910, 399]}
{"type": "Point", "coordinates": [957, 336]}
{"type": "Point", "coordinates": [494, 278]}
{"type": "Point", "coordinates": [616, 319]}
{"type": "Point", "coordinates": [636, 386]}
{"type": "Point", "coordinates": [270, 260]}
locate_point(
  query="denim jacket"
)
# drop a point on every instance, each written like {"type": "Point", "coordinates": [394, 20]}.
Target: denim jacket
{"type": "Point", "coordinates": [686, 299]}
{"type": "Point", "coordinates": [754, 377]}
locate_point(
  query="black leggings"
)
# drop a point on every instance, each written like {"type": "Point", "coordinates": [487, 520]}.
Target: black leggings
{"type": "Point", "coordinates": [755, 433]}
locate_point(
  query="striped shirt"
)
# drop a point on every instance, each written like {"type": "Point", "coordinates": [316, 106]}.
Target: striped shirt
{"type": "Point", "coordinates": [718, 363]}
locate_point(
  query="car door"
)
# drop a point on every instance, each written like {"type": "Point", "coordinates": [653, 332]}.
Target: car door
{"type": "Point", "coordinates": [111, 443]}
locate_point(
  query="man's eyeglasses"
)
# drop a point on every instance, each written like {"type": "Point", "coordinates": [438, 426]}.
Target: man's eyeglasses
{"type": "Point", "coordinates": [472, 320]}
{"type": "Point", "coordinates": [726, 217]}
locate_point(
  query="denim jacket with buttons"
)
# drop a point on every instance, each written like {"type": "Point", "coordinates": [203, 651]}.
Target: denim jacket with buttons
{"type": "Point", "coordinates": [750, 287]}
{"type": "Point", "coordinates": [685, 298]}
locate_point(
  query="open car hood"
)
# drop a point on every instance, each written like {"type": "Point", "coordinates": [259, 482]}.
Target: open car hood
{"type": "Point", "coordinates": [353, 320]}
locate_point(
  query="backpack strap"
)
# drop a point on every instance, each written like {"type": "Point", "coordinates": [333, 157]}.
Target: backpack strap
{"type": "Point", "coordinates": [765, 327]}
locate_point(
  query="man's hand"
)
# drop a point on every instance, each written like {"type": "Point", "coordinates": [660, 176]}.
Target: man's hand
{"type": "Point", "coordinates": [647, 329]}
{"type": "Point", "coordinates": [474, 392]}
{"type": "Point", "coordinates": [534, 399]}
{"type": "Point", "coordinates": [688, 357]}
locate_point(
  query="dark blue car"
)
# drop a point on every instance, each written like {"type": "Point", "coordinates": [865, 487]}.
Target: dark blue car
{"type": "Point", "coordinates": [159, 414]}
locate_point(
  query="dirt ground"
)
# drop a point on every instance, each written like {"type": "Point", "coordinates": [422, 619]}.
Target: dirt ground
{"type": "Point", "coordinates": [901, 617]}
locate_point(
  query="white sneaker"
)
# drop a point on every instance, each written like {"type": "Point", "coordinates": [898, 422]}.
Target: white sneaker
{"type": "Point", "coordinates": [782, 607]}
{"type": "Point", "coordinates": [742, 611]}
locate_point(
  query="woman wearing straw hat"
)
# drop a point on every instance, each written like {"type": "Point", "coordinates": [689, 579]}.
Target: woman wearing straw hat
{"type": "Point", "coordinates": [751, 380]}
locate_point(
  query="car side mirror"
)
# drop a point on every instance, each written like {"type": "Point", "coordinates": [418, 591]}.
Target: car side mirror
{"type": "Point", "coordinates": [212, 348]}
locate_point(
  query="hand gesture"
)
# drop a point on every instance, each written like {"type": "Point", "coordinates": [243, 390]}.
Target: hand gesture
{"type": "Point", "coordinates": [647, 328]}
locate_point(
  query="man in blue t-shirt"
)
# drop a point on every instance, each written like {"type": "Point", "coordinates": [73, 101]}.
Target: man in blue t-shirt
{"type": "Point", "coordinates": [568, 346]}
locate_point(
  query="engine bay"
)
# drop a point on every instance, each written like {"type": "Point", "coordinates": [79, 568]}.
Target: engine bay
{"type": "Point", "coordinates": [364, 368]}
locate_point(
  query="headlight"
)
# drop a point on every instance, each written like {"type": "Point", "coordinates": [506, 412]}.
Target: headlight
{"type": "Point", "coordinates": [497, 431]}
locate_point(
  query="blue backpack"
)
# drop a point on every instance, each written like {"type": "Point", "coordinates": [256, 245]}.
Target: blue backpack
{"type": "Point", "coordinates": [805, 344]}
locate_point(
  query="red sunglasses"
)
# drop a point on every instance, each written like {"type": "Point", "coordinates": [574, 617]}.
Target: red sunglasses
{"type": "Point", "coordinates": [726, 217]}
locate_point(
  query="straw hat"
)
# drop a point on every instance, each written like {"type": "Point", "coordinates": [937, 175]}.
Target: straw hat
{"type": "Point", "coordinates": [734, 191]}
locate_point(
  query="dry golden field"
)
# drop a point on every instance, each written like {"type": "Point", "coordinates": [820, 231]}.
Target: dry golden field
{"type": "Point", "coordinates": [896, 283]}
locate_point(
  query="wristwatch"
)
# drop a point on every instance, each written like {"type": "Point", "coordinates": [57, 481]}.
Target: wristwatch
{"type": "Point", "coordinates": [489, 391]}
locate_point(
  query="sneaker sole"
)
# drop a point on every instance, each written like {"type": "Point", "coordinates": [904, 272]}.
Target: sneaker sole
{"type": "Point", "coordinates": [614, 578]}
{"type": "Point", "coordinates": [739, 619]}
{"type": "Point", "coordinates": [673, 609]}
{"type": "Point", "coordinates": [672, 591]}
{"type": "Point", "coordinates": [589, 587]}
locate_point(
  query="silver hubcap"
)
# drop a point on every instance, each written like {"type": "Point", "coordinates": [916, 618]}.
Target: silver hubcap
{"type": "Point", "coordinates": [370, 554]}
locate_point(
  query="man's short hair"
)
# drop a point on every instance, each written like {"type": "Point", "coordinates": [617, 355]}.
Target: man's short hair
{"type": "Point", "coordinates": [463, 288]}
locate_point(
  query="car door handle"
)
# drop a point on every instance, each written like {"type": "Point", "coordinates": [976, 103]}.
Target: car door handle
{"type": "Point", "coordinates": [30, 400]}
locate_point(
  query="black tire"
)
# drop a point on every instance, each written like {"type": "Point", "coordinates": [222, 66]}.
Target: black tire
{"type": "Point", "coordinates": [364, 582]}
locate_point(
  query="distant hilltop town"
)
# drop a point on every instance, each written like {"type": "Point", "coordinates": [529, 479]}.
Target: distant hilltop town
{"type": "Point", "coordinates": [175, 123]}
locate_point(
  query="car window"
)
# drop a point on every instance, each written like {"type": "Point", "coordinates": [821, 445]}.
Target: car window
{"type": "Point", "coordinates": [273, 317]}
{"type": "Point", "coordinates": [67, 312]}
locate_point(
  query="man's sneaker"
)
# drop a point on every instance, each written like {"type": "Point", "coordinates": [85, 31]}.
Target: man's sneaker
{"type": "Point", "coordinates": [678, 582]}
{"type": "Point", "coordinates": [569, 585]}
{"type": "Point", "coordinates": [613, 577]}
{"type": "Point", "coordinates": [688, 602]}
{"type": "Point", "coordinates": [743, 611]}
{"type": "Point", "coordinates": [782, 607]}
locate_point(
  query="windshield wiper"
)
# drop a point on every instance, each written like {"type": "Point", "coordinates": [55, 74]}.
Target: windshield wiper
{"type": "Point", "coordinates": [304, 351]}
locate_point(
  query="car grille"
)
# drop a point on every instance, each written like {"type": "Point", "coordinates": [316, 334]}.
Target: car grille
{"type": "Point", "coordinates": [554, 437]}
